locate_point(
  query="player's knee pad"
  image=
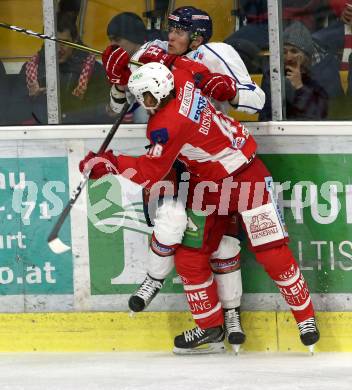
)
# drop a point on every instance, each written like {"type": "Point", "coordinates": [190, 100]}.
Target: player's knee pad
{"type": "Point", "coordinates": [159, 267]}
{"type": "Point", "coordinates": [170, 222]}
{"type": "Point", "coordinates": [264, 226]}
{"type": "Point", "coordinates": [229, 247]}
{"type": "Point", "coordinates": [226, 258]}
{"type": "Point", "coordinates": [161, 249]}
{"type": "Point", "coordinates": [225, 263]}
{"type": "Point", "coordinates": [229, 289]}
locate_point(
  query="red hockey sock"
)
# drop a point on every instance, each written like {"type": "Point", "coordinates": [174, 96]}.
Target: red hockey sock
{"type": "Point", "coordinates": [204, 303]}
{"type": "Point", "coordinates": [281, 266]}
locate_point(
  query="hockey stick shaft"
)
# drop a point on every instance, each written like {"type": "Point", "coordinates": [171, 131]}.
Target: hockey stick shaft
{"type": "Point", "coordinates": [55, 231]}
{"type": "Point", "coordinates": [62, 41]}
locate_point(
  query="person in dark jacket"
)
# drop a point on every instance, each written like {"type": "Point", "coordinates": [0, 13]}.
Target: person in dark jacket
{"type": "Point", "coordinates": [306, 99]}
{"type": "Point", "coordinates": [255, 15]}
{"type": "Point", "coordinates": [3, 93]}
{"type": "Point", "coordinates": [84, 90]}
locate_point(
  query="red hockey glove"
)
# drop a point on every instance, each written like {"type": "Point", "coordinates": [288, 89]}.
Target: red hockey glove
{"type": "Point", "coordinates": [115, 61]}
{"type": "Point", "coordinates": [156, 54]}
{"type": "Point", "coordinates": [99, 165]}
{"type": "Point", "coordinates": [217, 86]}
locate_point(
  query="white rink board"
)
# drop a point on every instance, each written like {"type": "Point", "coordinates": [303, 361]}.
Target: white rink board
{"type": "Point", "coordinates": [75, 141]}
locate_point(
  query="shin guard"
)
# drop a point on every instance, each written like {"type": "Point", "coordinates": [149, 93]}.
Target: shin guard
{"type": "Point", "coordinates": [204, 303]}
{"type": "Point", "coordinates": [294, 290]}
{"type": "Point", "coordinates": [161, 259]}
{"type": "Point", "coordinates": [225, 263]}
{"type": "Point", "coordinates": [281, 266]}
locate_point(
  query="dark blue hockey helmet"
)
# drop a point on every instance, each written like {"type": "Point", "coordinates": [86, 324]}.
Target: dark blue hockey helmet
{"type": "Point", "coordinates": [192, 19]}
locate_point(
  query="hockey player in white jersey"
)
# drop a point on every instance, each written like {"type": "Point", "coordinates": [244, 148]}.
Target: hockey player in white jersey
{"type": "Point", "coordinates": [227, 80]}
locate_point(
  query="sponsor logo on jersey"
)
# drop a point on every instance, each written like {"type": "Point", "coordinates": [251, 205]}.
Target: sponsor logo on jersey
{"type": "Point", "coordinates": [186, 99]}
{"type": "Point", "coordinates": [238, 142]}
{"type": "Point", "coordinates": [206, 121]}
{"type": "Point", "coordinates": [197, 55]}
{"type": "Point", "coordinates": [262, 225]}
{"type": "Point", "coordinates": [245, 131]}
{"type": "Point", "coordinates": [198, 105]}
{"type": "Point", "coordinates": [180, 93]}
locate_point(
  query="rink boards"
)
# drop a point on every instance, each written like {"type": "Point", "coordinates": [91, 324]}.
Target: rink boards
{"type": "Point", "coordinates": [88, 287]}
{"type": "Point", "coordinates": [155, 331]}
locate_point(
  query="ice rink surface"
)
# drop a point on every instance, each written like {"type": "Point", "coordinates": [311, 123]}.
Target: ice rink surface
{"type": "Point", "coordinates": [154, 371]}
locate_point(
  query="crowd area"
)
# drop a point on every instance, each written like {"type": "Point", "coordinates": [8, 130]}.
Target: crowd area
{"type": "Point", "coordinates": [317, 47]}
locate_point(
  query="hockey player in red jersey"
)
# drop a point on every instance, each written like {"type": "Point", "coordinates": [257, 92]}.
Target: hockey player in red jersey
{"type": "Point", "coordinates": [223, 76]}
{"type": "Point", "coordinates": [226, 177]}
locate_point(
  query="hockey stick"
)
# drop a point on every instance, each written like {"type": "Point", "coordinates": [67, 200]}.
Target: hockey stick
{"type": "Point", "coordinates": [54, 242]}
{"type": "Point", "coordinates": [62, 41]}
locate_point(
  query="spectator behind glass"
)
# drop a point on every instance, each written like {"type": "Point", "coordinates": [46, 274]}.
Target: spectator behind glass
{"type": "Point", "coordinates": [3, 93]}
{"type": "Point", "coordinates": [349, 89]}
{"type": "Point", "coordinates": [84, 90]}
{"type": "Point", "coordinates": [337, 35]}
{"type": "Point", "coordinates": [255, 14]}
{"type": "Point", "coordinates": [128, 31]}
{"type": "Point", "coordinates": [70, 8]}
{"type": "Point", "coordinates": [305, 98]}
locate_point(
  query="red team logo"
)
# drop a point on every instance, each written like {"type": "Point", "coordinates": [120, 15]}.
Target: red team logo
{"type": "Point", "coordinates": [289, 274]}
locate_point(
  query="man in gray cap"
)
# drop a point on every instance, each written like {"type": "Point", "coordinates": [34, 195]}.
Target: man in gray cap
{"type": "Point", "coordinates": [306, 99]}
{"type": "Point", "coordinates": [298, 50]}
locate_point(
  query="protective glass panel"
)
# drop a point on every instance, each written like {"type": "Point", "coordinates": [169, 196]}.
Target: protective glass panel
{"type": "Point", "coordinates": [317, 45]}
{"type": "Point", "coordinates": [85, 90]}
{"type": "Point", "coordinates": [17, 82]}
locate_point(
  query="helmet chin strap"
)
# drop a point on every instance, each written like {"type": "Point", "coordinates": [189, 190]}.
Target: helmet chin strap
{"type": "Point", "coordinates": [151, 109]}
{"type": "Point", "coordinates": [192, 37]}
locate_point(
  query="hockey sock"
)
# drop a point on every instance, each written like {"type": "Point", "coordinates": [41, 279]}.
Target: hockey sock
{"type": "Point", "coordinates": [283, 269]}
{"type": "Point", "coordinates": [204, 303]}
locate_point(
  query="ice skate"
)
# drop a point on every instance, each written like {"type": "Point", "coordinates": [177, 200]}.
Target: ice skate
{"type": "Point", "coordinates": [309, 333]}
{"type": "Point", "coordinates": [198, 341]}
{"type": "Point", "coordinates": [234, 332]}
{"type": "Point", "coordinates": [146, 292]}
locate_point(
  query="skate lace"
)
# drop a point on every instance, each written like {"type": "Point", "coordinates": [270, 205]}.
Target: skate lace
{"type": "Point", "coordinates": [148, 288]}
{"type": "Point", "coordinates": [195, 333]}
{"type": "Point", "coordinates": [232, 321]}
{"type": "Point", "coordinates": [307, 326]}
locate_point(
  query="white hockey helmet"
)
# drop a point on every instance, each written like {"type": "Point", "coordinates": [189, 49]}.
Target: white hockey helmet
{"type": "Point", "coordinates": [154, 78]}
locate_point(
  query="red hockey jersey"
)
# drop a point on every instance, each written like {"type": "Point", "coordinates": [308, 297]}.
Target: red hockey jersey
{"type": "Point", "coordinates": [211, 144]}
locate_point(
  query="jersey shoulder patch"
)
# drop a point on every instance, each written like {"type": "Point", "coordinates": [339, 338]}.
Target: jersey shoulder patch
{"type": "Point", "coordinates": [159, 136]}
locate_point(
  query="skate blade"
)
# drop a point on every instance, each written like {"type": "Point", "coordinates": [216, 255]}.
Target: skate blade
{"type": "Point", "coordinates": [236, 348]}
{"type": "Point", "coordinates": [311, 349]}
{"type": "Point", "coordinates": [211, 348]}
